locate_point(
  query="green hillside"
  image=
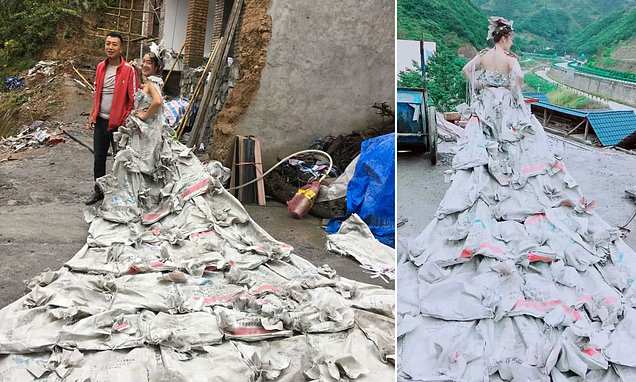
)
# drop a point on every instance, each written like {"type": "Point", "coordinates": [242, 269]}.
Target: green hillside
{"type": "Point", "coordinates": [452, 23]}
{"type": "Point", "coordinates": [602, 36]}
{"type": "Point", "coordinates": [551, 23]}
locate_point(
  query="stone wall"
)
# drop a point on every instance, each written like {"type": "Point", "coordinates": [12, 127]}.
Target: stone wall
{"type": "Point", "coordinates": [618, 91]}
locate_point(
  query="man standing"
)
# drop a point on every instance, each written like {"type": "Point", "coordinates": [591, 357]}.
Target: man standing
{"type": "Point", "coordinates": [115, 85]}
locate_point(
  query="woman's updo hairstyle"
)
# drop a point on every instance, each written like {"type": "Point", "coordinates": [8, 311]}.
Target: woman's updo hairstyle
{"type": "Point", "coordinates": [501, 31]}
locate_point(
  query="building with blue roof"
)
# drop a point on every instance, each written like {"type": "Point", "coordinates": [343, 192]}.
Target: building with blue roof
{"type": "Point", "coordinates": [609, 126]}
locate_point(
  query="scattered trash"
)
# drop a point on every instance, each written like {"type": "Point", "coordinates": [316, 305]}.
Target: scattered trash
{"type": "Point", "coordinates": [47, 68]}
{"type": "Point", "coordinates": [174, 110]}
{"type": "Point", "coordinates": [13, 83]}
{"type": "Point", "coordinates": [448, 131]}
{"type": "Point", "coordinates": [402, 222]}
{"type": "Point", "coordinates": [371, 191]}
{"type": "Point", "coordinates": [34, 135]}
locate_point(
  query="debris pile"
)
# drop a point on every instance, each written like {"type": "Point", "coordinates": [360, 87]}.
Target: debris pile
{"type": "Point", "coordinates": [177, 281]}
{"type": "Point", "coordinates": [37, 134]}
{"type": "Point", "coordinates": [13, 82]}
{"type": "Point", "coordinates": [447, 130]}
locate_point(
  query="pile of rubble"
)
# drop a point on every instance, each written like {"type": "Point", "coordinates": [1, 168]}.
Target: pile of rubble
{"type": "Point", "coordinates": [37, 134]}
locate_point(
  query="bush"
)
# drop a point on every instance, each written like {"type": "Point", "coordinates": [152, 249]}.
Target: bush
{"type": "Point", "coordinates": [28, 24]}
{"type": "Point", "coordinates": [411, 78]}
{"type": "Point", "coordinates": [444, 81]}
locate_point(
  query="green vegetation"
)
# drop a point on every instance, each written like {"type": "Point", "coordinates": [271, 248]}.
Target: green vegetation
{"type": "Point", "coordinates": [538, 84]}
{"type": "Point", "coordinates": [28, 24]}
{"type": "Point", "coordinates": [9, 105]}
{"type": "Point", "coordinates": [548, 25]}
{"type": "Point", "coordinates": [444, 81]}
{"type": "Point", "coordinates": [599, 37]}
{"type": "Point", "coordinates": [567, 98]}
{"type": "Point", "coordinates": [613, 74]}
{"type": "Point", "coordinates": [452, 23]}
{"type": "Point", "coordinates": [411, 78]}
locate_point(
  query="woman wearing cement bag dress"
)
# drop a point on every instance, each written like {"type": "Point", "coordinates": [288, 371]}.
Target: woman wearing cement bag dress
{"type": "Point", "coordinates": [138, 164]}
{"type": "Point", "coordinates": [516, 278]}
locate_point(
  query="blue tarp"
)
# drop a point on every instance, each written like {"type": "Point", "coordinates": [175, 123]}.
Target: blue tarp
{"type": "Point", "coordinates": [371, 191]}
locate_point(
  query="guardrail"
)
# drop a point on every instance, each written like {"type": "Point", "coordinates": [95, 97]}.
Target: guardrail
{"type": "Point", "coordinates": [607, 73]}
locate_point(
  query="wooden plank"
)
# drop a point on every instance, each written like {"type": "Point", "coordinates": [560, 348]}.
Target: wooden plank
{"type": "Point", "coordinates": [235, 162]}
{"type": "Point", "coordinates": [575, 127]}
{"type": "Point", "coordinates": [197, 89]}
{"type": "Point", "coordinates": [205, 110]}
{"type": "Point", "coordinates": [258, 159]}
{"type": "Point", "coordinates": [587, 126]}
{"type": "Point", "coordinates": [545, 116]}
{"type": "Point", "coordinates": [241, 169]}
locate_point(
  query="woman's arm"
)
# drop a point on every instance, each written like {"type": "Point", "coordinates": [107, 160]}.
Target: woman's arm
{"type": "Point", "coordinates": [154, 105]}
{"type": "Point", "coordinates": [517, 74]}
{"type": "Point", "coordinates": [471, 66]}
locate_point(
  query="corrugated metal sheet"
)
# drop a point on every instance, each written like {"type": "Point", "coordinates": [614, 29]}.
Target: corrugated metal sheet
{"type": "Point", "coordinates": [561, 109]}
{"type": "Point", "coordinates": [611, 127]}
{"type": "Point", "coordinates": [542, 97]}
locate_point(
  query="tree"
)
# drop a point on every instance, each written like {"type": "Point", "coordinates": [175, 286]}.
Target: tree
{"type": "Point", "coordinates": [411, 77]}
{"type": "Point", "coordinates": [445, 84]}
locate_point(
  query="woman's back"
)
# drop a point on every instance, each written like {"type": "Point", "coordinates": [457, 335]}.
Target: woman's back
{"type": "Point", "coordinates": [496, 60]}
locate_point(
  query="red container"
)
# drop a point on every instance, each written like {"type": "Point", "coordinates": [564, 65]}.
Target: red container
{"type": "Point", "coordinates": [303, 200]}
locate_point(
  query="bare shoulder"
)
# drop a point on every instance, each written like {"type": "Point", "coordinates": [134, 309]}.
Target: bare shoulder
{"type": "Point", "coordinates": [483, 51]}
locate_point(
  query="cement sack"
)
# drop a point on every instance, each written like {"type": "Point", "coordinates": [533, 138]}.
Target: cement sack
{"type": "Point", "coordinates": [355, 239]}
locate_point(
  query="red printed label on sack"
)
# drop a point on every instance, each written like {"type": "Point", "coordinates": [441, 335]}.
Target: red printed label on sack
{"type": "Point", "coordinates": [534, 257]}
{"type": "Point", "coordinates": [265, 288]}
{"type": "Point", "coordinates": [534, 219]}
{"type": "Point", "coordinates": [203, 183]}
{"type": "Point", "coordinates": [157, 263]}
{"type": "Point", "coordinates": [591, 351]}
{"type": "Point", "coordinates": [250, 331]}
{"type": "Point", "coordinates": [533, 168]}
{"type": "Point", "coordinates": [119, 326]}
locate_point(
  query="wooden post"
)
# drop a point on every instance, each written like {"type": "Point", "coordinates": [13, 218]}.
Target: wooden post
{"type": "Point", "coordinates": [575, 127]}
{"type": "Point", "coordinates": [258, 165]}
{"type": "Point", "coordinates": [587, 125]}
{"type": "Point", "coordinates": [545, 116]}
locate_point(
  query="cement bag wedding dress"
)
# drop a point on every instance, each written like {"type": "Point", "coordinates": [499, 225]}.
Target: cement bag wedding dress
{"type": "Point", "coordinates": [177, 283]}
{"type": "Point", "coordinates": [516, 278]}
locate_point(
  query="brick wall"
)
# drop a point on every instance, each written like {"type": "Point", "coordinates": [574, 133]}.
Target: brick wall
{"type": "Point", "coordinates": [217, 25]}
{"type": "Point", "coordinates": [195, 32]}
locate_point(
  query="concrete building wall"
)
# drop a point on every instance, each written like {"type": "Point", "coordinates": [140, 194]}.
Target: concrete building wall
{"type": "Point", "coordinates": [173, 28]}
{"type": "Point", "coordinates": [618, 91]}
{"type": "Point", "coordinates": [327, 63]}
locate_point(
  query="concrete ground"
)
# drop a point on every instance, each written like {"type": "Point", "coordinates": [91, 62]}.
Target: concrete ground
{"type": "Point", "coordinates": [602, 174]}
{"type": "Point", "coordinates": [42, 225]}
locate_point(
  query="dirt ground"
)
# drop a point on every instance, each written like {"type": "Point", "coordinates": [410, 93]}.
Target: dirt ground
{"type": "Point", "coordinates": [603, 175]}
{"type": "Point", "coordinates": [42, 225]}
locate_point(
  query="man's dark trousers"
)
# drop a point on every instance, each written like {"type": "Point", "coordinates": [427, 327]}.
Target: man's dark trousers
{"type": "Point", "coordinates": [102, 138]}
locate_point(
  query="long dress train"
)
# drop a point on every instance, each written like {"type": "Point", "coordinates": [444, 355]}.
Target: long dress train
{"type": "Point", "coordinates": [177, 283]}
{"type": "Point", "coordinates": [516, 278]}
